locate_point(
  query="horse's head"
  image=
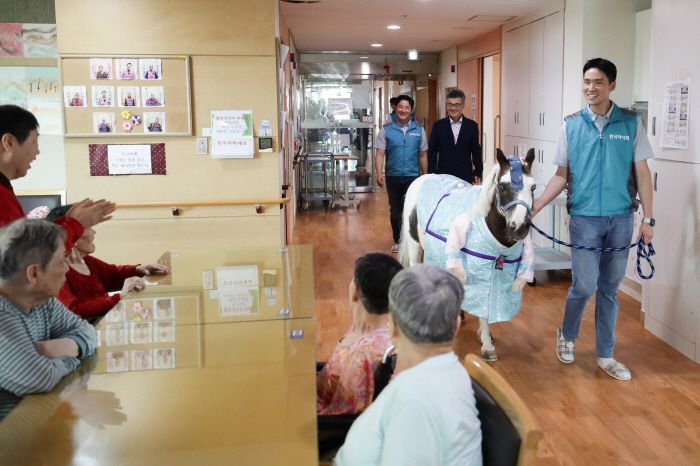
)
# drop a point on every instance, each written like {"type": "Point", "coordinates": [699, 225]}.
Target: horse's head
{"type": "Point", "coordinates": [512, 193]}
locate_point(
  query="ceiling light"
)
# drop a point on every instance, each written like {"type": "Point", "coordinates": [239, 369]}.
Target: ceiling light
{"type": "Point", "coordinates": [376, 45]}
{"type": "Point", "coordinates": [364, 57]}
{"type": "Point", "coordinates": [413, 54]}
{"type": "Point", "coordinates": [393, 27]}
{"type": "Point", "coordinates": [429, 75]}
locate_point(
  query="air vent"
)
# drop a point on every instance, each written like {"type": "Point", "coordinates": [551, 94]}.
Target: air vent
{"type": "Point", "coordinates": [491, 18]}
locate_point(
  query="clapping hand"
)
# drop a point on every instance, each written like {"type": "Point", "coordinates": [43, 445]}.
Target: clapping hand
{"type": "Point", "coordinates": [89, 213]}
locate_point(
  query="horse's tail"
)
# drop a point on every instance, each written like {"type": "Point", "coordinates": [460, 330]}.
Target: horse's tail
{"type": "Point", "coordinates": [409, 225]}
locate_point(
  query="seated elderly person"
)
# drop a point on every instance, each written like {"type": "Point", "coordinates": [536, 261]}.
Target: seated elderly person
{"type": "Point", "coordinates": [40, 339]}
{"type": "Point", "coordinates": [427, 415]}
{"type": "Point", "coordinates": [345, 385]}
{"type": "Point", "coordinates": [88, 278]}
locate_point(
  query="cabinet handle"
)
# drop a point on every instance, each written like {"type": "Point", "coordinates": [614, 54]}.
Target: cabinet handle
{"type": "Point", "coordinates": [483, 149]}
{"type": "Point", "coordinates": [515, 118]}
{"type": "Point", "coordinates": [653, 130]}
{"type": "Point", "coordinates": [543, 122]}
{"type": "Point", "coordinates": [656, 175]}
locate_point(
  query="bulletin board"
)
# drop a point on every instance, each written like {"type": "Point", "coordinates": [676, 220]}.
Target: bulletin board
{"type": "Point", "coordinates": [75, 70]}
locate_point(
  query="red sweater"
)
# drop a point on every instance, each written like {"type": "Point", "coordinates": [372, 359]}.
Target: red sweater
{"type": "Point", "coordinates": [11, 210]}
{"type": "Point", "coordinates": [86, 295]}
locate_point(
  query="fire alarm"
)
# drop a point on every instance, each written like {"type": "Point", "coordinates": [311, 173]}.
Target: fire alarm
{"type": "Point", "coordinates": [452, 68]}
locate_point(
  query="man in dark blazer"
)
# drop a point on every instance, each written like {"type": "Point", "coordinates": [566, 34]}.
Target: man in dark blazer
{"type": "Point", "coordinates": [454, 143]}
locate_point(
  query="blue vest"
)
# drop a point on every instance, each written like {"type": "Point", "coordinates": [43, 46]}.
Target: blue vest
{"type": "Point", "coordinates": [402, 152]}
{"type": "Point", "coordinates": [602, 180]}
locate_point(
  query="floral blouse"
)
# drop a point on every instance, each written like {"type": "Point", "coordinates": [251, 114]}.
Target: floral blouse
{"type": "Point", "coordinates": [345, 385]}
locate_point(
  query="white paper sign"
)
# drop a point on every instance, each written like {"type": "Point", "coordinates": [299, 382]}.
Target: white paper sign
{"type": "Point", "coordinates": [129, 159]}
{"type": "Point", "coordinates": [676, 111]}
{"type": "Point", "coordinates": [339, 106]}
{"type": "Point", "coordinates": [360, 96]}
{"type": "Point", "coordinates": [232, 134]}
{"type": "Point", "coordinates": [238, 290]}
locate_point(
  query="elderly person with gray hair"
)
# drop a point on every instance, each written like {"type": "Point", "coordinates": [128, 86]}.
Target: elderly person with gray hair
{"type": "Point", "coordinates": [40, 340]}
{"type": "Point", "coordinates": [427, 415]}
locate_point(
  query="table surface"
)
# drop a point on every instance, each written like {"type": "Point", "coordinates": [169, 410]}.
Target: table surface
{"type": "Point", "coordinates": [242, 390]}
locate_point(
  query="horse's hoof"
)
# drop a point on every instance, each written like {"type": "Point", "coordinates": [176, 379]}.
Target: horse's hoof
{"type": "Point", "coordinates": [478, 337]}
{"type": "Point", "coordinates": [489, 355]}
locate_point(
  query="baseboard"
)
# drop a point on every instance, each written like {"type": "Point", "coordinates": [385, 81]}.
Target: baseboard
{"type": "Point", "coordinates": [631, 289]}
{"type": "Point", "coordinates": [674, 339]}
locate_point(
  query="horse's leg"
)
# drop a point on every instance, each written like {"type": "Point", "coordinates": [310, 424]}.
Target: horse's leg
{"type": "Point", "coordinates": [488, 351]}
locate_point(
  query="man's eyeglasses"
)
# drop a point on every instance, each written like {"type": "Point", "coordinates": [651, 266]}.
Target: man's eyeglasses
{"type": "Point", "coordinates": [454, 105]}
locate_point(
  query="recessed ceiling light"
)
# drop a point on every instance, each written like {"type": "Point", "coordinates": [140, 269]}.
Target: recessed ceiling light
{"type": "Point", "coordinates": [376, 45]}
{"type": "Point", "coordinates": [393, 26]}
{"type": "Point", "coordinates": [364, 57]}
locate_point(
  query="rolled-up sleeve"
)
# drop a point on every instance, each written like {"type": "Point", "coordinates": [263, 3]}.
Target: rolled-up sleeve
{"type": "Point", "coordinates": [561, 156]}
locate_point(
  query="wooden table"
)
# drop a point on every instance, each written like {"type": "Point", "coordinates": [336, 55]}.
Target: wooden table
{"type": "Point", "coordinates": [242, 390]}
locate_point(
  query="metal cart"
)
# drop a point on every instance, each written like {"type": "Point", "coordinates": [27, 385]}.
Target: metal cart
{"type": "Point", "coordinates": [309, 193]}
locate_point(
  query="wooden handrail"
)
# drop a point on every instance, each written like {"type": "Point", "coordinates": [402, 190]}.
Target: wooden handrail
{"type": "Point", "coordinates": [231, 202]}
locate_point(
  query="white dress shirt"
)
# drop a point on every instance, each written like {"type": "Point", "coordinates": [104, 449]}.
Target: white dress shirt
{"type": "Point", "coordinates": [456, 127]}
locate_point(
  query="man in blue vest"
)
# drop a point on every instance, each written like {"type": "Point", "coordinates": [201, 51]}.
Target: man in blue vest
{"type": "Point", "coordinates": [405, 147]}
{"type": "Point", "coordinates": [601, 157]}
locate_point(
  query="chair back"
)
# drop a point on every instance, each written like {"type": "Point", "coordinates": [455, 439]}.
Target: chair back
{"type": "Point", "coordinates": [384, 371]}
{"type": "Point", "coordinates": [510, 432]}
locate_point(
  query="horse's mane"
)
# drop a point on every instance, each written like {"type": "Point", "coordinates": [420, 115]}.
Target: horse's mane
{"type": "Point", "coordinates": [483, 204]}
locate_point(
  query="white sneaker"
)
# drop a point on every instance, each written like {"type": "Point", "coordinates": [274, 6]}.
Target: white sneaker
{"type": "Point", "coordinates": [565, 348]}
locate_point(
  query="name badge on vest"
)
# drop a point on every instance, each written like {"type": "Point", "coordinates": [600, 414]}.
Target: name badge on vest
{"type": "Point", "coordinates": [499, 262]}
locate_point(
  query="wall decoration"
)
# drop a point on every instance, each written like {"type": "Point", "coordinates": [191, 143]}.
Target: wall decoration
{"type": "Point", "coordinates": [153, 96]}
{"type": "Point", "coordinates": [126, 68]}
{"type": "Point", "coordinates": [150, 68]}
{"type": "Point", "coordinates": [128, 96]}
{"type": "Point", "coordinates": [99, 163]}
{"type": "Point", "coordinates": [154, 122]}
{"type": "Point", "coordinates": [103, 96]}
{"type": "Point", "coordinates": [11, 44]}
{"type": "Point", "coordinates": [74, 96]}
{"type": "Point", "coordinates": [48, 114]}
{"type": "Point", "coordinates": [42, 83]}
{"type": "Point", "coordinates": [165, 358]}
{"type": "Point", "coordinates": [12, 83]}
{"type": "Point", "coordinates": [100, 68]}
{"type": "Point", "coordinates": [117, 361]}
{"type": "Point", "coordinates": [141, 360]}
{"type": "Point", "coordinates": [102, 123]}
{"type": "Point", "coordinates": [39, 40]}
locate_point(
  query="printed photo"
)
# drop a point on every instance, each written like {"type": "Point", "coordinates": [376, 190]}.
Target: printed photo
{"type": "Point", "coordinates": [74, 96]}
{"type": "Point", "coordinates": [150, 68]}
{"type": "Point", "coordinates": [117, 334]}
{"type": "Point", "coordinates": [118, 361]}
{"type": "Point", "coordinates": [141, 332]}
{"type": "Point", "coordinates": [154, 122]}
{"type": "Point", "coordinates": [141, 360]}
{"type": "Point", "coordinates": [164, 331]}
{"type": "Point", "coordinates": [100, 68]}
{"type": "Point", "coordinates": [128, 96]}
{"type": "Point", "coordinates": [126, 68]}
{"type": "Point", "coordinates": [164, 308]}
{"type": "Point", "coordinates": [102, 123]}
{"type": "Point", "coordinates": [103, 96]}
{"type": "Point", "coordinates": [153, 96]}
{"type": "Point", "coordinates": [165, 358]}
{"type": "Point", "coordinates": [684, 90]}
{"type": "Point", "coordinates": [117, 314]}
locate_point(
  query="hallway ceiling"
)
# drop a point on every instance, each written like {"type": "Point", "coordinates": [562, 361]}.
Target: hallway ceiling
{"type": "Point", "coordinates": [426, 25]}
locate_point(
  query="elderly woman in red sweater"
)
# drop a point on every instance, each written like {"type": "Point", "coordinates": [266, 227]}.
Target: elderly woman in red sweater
{"type": "Point", "coordinates": [88, 279]}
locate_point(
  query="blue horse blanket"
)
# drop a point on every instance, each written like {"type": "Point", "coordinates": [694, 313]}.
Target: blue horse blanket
{"type": "Point", "coordinates": [487, 292]}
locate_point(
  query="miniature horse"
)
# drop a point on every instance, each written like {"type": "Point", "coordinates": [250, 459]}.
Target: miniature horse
{"type": "Point", "coordinates": [480, 233]}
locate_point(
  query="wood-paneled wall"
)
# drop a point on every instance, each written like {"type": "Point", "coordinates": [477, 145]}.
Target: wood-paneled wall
{"type": "Point", "coordinates": [233, 67]}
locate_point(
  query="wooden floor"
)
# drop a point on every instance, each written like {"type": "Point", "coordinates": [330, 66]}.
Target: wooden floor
{"type": "Point", "coordinates": [587, 417]}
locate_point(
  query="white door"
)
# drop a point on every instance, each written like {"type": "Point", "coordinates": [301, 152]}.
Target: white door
{"type": "Point", "coordinates": [674, 294]}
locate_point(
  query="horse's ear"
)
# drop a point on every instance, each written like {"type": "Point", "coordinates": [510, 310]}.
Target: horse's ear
{"type": "Point", "coordinates": [502, 161]}
{"type": "Point", "coordinates": [529, 158]}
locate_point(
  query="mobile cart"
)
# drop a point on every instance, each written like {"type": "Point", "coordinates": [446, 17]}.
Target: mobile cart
{"type": "Point", "coordinates": [308, 192]}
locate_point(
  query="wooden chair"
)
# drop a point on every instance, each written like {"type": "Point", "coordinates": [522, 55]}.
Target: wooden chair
{"type": "Point", "coordinates": [498, 403]}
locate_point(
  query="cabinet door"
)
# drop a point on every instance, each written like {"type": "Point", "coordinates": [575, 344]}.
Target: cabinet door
{"type": "Point", "coordinates": [537, 91]}
{"type": "Point", "coordinates": [516, 81]}
{"type": "Point", "coordinates": [511, 143]}
{"type": "Point", "coordinates": [669, 27]}
{"type": "Point", "coordinates": [553, 66]}
{"type": "Point", "coordinates": [543, 167]}
{"type": "Point", "coordinates": [674, 292]}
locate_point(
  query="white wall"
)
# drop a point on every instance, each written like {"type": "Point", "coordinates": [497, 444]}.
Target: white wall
{"type": "Point", "coordinates": [448, 58]}
{"type": "Point", "coordinates": [49, 169]}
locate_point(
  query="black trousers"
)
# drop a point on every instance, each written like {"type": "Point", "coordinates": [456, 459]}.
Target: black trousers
{"type": "Point", "coordinates": [396, 187]}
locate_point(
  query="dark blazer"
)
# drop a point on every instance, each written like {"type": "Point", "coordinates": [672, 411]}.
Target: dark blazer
{"type": "Point", "coordinates": [446, 157]}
